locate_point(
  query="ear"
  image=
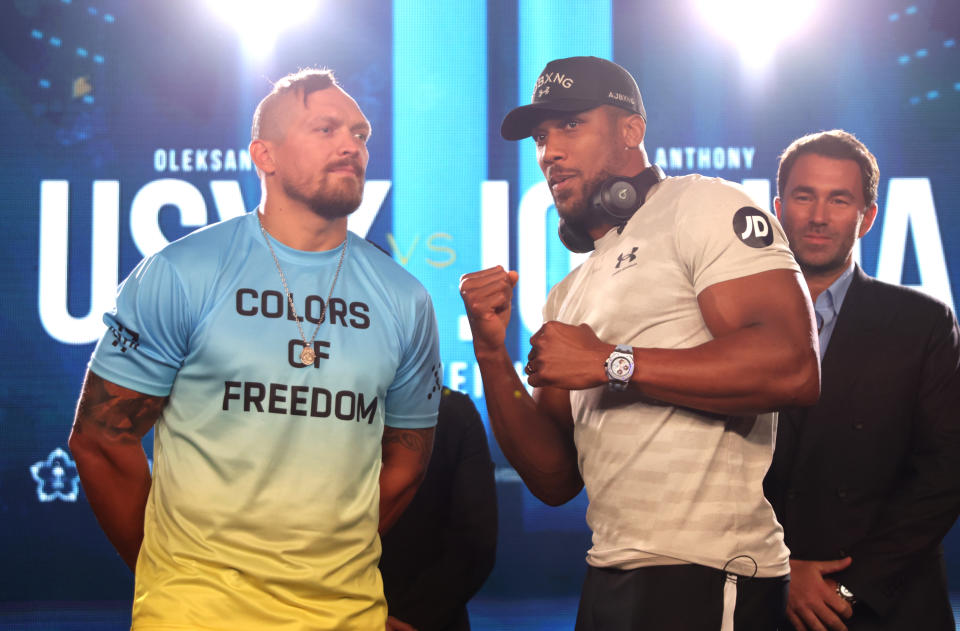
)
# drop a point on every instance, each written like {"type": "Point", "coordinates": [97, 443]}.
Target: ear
{"type": "Point", "coordinates": [778, 208]}
{"type": "Point", "coordinates": [634, 129]}
{"type": "Point", "coordinates": [867, 222]}
{"type": "Point", "coordinates": [262, 156]}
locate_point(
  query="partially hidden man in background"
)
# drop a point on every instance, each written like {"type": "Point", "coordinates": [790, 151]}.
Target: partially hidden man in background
{"type": "Point", "coordinates": [867, 482]}
{"type": "Point", "coordinates": [277, 355]}
{"type": "Point", "coordinates": [657, 367]}
{"type": "Point", "coordinates": [443, 546]}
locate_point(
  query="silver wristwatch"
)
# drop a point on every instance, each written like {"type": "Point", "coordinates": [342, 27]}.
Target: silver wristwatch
{"type": "Point", "coordinates": [844, 593]}
{"type": "Point", "coordinates": [619, 367]}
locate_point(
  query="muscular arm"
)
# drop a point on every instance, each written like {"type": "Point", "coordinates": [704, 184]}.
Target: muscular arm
{"type": "Point", "coordinates": [462, 499]}
{"type": "Point", "coordinates": [763, 355]}
{"type": "Point", "coordinates": [406, 453]}
{"type": "Point", "coordinates": [535, 433]}
{"type": "Point", "coordinates": [105, 441]}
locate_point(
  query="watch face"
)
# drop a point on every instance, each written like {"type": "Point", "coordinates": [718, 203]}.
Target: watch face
{"type": "Point", "coordinates": [620, 367]}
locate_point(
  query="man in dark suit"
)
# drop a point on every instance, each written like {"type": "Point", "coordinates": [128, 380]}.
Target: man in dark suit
{"type": "Point", "coordinates": [866, 483]}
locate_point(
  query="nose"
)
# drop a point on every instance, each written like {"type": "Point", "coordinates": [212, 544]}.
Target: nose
{"type": "Point", "coordinates": [818, 212]}
{"type": "Point", "coordinates": [551, 149]}
{"type": "Point", "coordinates": [350, 144]}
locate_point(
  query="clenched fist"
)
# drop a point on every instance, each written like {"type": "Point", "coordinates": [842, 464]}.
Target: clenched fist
{"type": "Point", "coordinates": [567, 356]}
{"type": "Point", "coordinates": [487, 295]}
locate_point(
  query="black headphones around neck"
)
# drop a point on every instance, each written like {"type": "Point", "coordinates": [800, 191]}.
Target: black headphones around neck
{"type": "Point", "coordinates": [615, 201]}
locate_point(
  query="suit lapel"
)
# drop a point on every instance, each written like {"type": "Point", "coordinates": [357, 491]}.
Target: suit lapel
{"type": "Point", "coordinates": [841, 370]}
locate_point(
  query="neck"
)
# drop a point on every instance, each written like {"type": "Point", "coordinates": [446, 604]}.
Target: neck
{"type": "Point", "coordinates": [818, 281]}
{"type": "Point", "coordinates": [299, 227]}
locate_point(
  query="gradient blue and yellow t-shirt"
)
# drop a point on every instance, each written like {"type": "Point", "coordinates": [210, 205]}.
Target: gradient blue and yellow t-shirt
{"type": "Point", "coordinates": [264, 507]}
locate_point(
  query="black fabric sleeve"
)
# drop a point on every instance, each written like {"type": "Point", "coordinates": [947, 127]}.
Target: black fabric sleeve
{"type": "Point", "coordinates": [437, 594]}
{"type": "Point", "coordinates": [925, 502]}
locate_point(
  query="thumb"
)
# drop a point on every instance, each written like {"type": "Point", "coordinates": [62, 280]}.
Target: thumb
{"type": "Point", "coordinates": [513, 277]}
{"type": "Point", "coordinates": [829, 567]}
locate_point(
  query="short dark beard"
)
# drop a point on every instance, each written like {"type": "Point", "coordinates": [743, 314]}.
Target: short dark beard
{"type": "Point", "coordinates": [584, 217]}
{"type": "Point", "coordinates": [329, 206]}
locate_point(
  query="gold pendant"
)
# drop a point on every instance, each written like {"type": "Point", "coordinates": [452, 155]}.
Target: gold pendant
{"type": "Point", "coordinates": [307, 356]}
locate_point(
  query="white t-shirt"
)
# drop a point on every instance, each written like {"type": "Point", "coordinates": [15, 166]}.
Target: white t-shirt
{"type": "Point", "coordinates": [666, 484]}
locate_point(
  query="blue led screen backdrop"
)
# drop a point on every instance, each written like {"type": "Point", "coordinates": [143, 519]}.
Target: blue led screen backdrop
{"type": "Point", "coordinates": [126, 125]}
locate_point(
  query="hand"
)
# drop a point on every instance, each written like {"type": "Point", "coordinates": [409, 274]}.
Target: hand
{"type": "Point", "coordinates": [487, 295]}
{"type": "Point", "coordinates": [813, 603]}
{"type": "Point", "coordinates": [567, 356]}
{"type": "Point", "coordinates": [398, 625]}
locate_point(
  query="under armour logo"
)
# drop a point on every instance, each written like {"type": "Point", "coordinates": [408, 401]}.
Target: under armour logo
{"type": "Point", "coordinates": [542, 92]}
{"type": "Point", "coordinates": [629, 257]}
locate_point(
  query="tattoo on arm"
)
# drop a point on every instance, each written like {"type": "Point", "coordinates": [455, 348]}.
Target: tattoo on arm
{"type": "Point", "coordinates": [122, 414]}
{"type": "Point", "coordinates": [419, 441]}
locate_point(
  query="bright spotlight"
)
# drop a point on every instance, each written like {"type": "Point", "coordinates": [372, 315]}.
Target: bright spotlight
{"type": "Point", "coordinates": [756, 26]}
{"type": "Point", "coordinates": [258, 23]}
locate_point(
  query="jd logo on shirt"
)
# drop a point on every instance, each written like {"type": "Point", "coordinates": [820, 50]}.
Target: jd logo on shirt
{"type": "Point", "coordinates": [752, 226]}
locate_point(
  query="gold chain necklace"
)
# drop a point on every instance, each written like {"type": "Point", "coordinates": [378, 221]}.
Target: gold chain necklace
{"type": "Point", "coordinates": [306, 355]}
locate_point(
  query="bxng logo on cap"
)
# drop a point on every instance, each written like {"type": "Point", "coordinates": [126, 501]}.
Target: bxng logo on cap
{"type": "Point", "coordinates": [549, 79]}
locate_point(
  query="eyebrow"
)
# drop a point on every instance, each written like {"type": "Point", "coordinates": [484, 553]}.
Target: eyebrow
{"type": "Point", "coordinates": [323, 118]}
{"type": "Point", "coordinates": [558, 121]}
{"type": "Point", "coordinates": [362, 127]}
{"type": "Point", "coordinates": [837, 192]}
{"type": "Point", "coordinates": [334, 120]}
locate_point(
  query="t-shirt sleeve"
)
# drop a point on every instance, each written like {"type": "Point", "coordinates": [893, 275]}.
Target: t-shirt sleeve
{"type": "Point", "coordinates": [722, 234]}
{"type": "Point", "coordinates": [148, 332]}
{"type": "Point", "coordinates": [414, 396]}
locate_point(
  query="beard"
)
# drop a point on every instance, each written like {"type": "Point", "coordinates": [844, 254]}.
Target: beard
{"type": "Point", "coordinates": [576, 206]}
{"type": "Point", "coordinates": [330, 199]}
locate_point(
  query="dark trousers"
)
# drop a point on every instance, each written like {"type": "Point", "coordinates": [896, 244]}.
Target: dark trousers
{"type": "Point", "coordinates": [677, 598]}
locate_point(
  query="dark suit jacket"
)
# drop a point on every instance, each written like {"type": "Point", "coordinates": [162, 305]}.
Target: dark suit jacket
{"type": "Point", "coordinates": [873, 469]}
{"type": "Point", "coordinates": [442, 547]}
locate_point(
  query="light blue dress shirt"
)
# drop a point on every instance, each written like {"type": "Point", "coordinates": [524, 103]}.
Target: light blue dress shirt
{"type": "Point", "coordinates": [828, 305]}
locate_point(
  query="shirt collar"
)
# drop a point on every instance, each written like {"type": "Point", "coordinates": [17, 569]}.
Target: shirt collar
{"type": "Point", "coordinates": [833, 296]}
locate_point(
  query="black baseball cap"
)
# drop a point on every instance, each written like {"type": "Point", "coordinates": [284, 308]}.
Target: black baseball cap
{"type": "Point", "coordinates": [574, 84]}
